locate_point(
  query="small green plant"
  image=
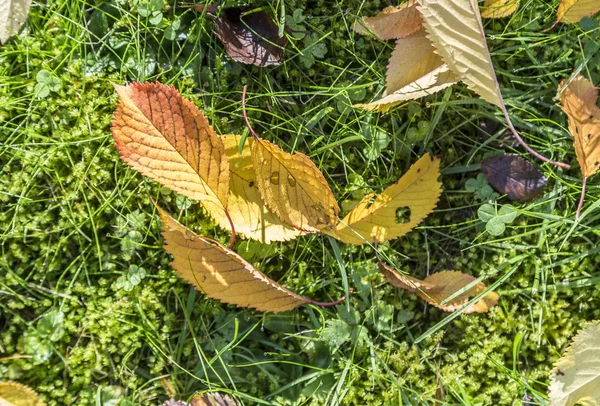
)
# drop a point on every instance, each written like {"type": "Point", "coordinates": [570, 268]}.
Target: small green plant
{"type": "Point", "coordinates": [483, 191]}
{"type": "Point", "coordinates": [496, 219]}
{"type": "Point", "coordinates": [37, 341]}
{"type": "Point", "coordinates": [46, 83]}
{"type": "Point", "coordinates": [134, 276]}
{"type": "Point", "coordinates": [313, 49]}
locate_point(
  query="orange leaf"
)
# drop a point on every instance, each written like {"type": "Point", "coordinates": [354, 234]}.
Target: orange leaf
{"type": "Point", "coordinates": [436, 288]}
{"type": "Point", "coordinates": [392, 22]}
{"type": "Point", "coordinates": [572, 11]}
{"type": "Point", "coordinates": [220, 273]}
{"type": "Point", "coordinates": [293, 187]}
{"type": "Point", "coordinates": [168, 139]}
{"type": "Point", "coordinates": [248, 212]}
{"type": "Point", "coordinates": [578, 101]}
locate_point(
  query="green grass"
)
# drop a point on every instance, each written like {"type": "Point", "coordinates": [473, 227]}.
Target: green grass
{"type": "Point", "coordinates": [74, 218]}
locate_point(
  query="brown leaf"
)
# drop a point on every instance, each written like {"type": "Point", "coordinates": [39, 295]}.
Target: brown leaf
{"type": "Point", "coordinates": [578, 101]}
{"type": "Point", "coordinates": [293, 187]}
{"type": "Point", "coordinates": [440, 286]}
{"type": "Point", "coordinates": [392, 22]}
{"type": "Point", "coordinates": [167, 138]}
{"type": "Point", "coordinates": [214, 399]}
{"type": "Point", "coordinates": [514, 176]}
{"type": "Point", "coordinates": [499, 8]}
{"type": "Point", "coordinates": [220, 273]}
{"type": "Point", "coordinates": [250, 37]}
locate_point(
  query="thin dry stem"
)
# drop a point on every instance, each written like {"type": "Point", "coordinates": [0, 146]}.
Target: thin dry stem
{"type": "Point", "coordinates": [581, 199]}
{"type": "Point", "coordinates": [245, 115]}
{"type": "Point", "coordinates": [329, 304]}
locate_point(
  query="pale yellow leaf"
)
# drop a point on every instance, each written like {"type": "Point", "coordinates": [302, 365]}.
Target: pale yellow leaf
{"type": "Point", "coordinates": [499, 8]}
{"type": "Point", "coordinates": [250, 216]}
{"type": "Point", "coordinates": [572, 11]}
{"type": "Point", "coordinates": [220, 273]}
{"type": "Point", "coordinates": [578, 101]}
{"type": "Point", "coordinates": [395, 211]}
{"type": "Point", "coordinates": [168, 139]}
{"type": "Point", "coordinates": [13, 13]}
{"type": "Point", "coordinates": [15, 394]}
{"type": "Point", "coordinates": [455, 29]}
{"type": "Point", "coordinates": [576, 376]}
{"type": "Point", "coordinates": [293, 187]}
{"type": "Point", "coordinates": [437, 288]}
{"type": "Point", "coordinates": [392, 22]}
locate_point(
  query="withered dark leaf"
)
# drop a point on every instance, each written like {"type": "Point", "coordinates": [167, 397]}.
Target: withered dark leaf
{"type": "Point", "coordinates": [250, 37]}
{"type": "Point", "coordinates": [514, 176]}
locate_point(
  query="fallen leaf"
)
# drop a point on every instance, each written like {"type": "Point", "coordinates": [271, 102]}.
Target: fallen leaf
{"type": "Point", "coordinates": [214, 399]}
{"type": "Point", "coordinates": [397, 210]}
{"type": "Point", "coordinates": [13, 13]}
{"type": "Point", "coordinates": [514, 176]}
{"type": "Point", "coordinates": [572, 11]}
{"type": "Point", "coordinates": [575, 378]}
{"type": "Point", "coordinates": [578, 101]}
{"type": "Point", "coordinates": [499, 8]}
{"type": "Point", "coordinates": [250, 36]}
{"type": "Point", "coordinates": [422, 74]}
{"type": "Point", "coordinates": [167, 138]}
{"type": "Point", "coordinates": [437, 288]}
{"type": "Point", "coordinates": [392, 22]}
{"type": "Point", "coordinates": [15, 394]}
{"type": "Point", "coordinates": [293, 187]}
{"type": "Point", "coordinates": [454, 28]}
{"type": "Point", "coordinates": [220, 273]}
{"type": "Point", "coordinates": [250, 216]}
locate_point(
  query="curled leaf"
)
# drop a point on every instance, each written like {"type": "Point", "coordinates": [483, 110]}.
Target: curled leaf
{"type": "Point", "coordinates": [514, 176]}
{"type": "Point", "coordinates": [395, 211]}
{"type": "Point", "coordinates": [437, 288]}
{"type": "Point", "coordinates": [572, 11]}
{"type": "Point", "coordinates": [575, 378]}
{"type": "Point", "coordinates": [250, 36]}
{"type": "Point", "coordinates": [392, 22]}
{"type": "Point", "coordinates": [293, 187]}
{"type": "Point", "coordinates": [168, 139]}
{"type": "Point", "coordinates": [13, 13]}
{"type": "Point", "coordinates": [248, 212]}
{"type": "Point", "coordinates": [499, 8]}
{"type": "Point", "coordinates": [16, 394]}
{"type": "Point", "coordinates": [220, 273]}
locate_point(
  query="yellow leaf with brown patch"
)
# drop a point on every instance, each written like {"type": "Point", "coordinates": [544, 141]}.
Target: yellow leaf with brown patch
{"type": "Point", "coordinates": [572, 11]}
{"type": "Point", "coordinates": [395, 211]}
{"type": "Point", "coordinates": [392, 22]}
{"type": "Point", "coordinates": [167, 138]}
{"type": "Point", "coordinates": [293, 187]}
{"type": "Point", "coordinates": [16, 394]}
{"type": "Point", "coordinates": [437, 288]}
{"type": "Point", "coordinates": [499, 8]}
{"type": "Point", "coordinates": [248, 212]}
{"type": "Point", "coordinates": [578, 101]}
{"type": "Point", "coordinates": [220, 273]}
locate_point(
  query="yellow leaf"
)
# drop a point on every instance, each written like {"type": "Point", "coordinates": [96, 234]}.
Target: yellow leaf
{"type": "Point", "coordinates": [499, 8]}
{"type": "Point", "coordinates": [397, 210]}
{"type": "Point", "coordinates": [572, 11]}
{"type": "Point", "coordinates": [578, 101]}
{"type": "Point", "coordinates": [220, 273]}
{"type": "Point", "coordinates": [454, 28]}
{"type": "Point", "coordinates": [246, 208]}
{"type": "Point", "coordinates": [422, 74]}
{"type": "Point", "coordinates": [392, 22]}
{"type": "Point", "coordinates": [576, 375]}
{"type": "Point", "coordinates": [168, 139]}
{"type": "Point", "coordinates": [15, 394]}
{"type": "Point", "coordinates": [437, 288]}
{"type": "Point", "coordinates": [293, 187]}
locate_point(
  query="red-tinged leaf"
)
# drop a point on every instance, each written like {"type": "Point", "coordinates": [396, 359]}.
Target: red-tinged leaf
{"type": "Point", "coordinates": [514, 176]}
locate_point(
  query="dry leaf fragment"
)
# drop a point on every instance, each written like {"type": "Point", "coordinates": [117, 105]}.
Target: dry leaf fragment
{"type": "Point", "coordinates": [248, 212]}
{"type": "Point", "coordinates": [397, 210]}
{"type": "Point", "coordinates": [293, 187]}
{"type": "Point", "coordinates": [499, 8]}
{"type": "Point", "coordinates": [392, 22]}
{"type": "Point", "coordinates": [221, 274]}
{"type": "Point", "coordinates": [575, 378]}
{"type": "Point", "coordinates": [514, 176]}
{"type": "Point", "coordinates": [13, 13]}
{"type": "Point", "coordinates": [250, 36]}
{"type": "Point", "coordinates": [572, 11]}
{"type": "Point", "coordinates": [214, 399]}
{"type": "Point", "coordinates": [16, 394]}
{"type": "Point", "coordinates": [440, 286]}
{"type": "Point", "coordinates": [167, 138]}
